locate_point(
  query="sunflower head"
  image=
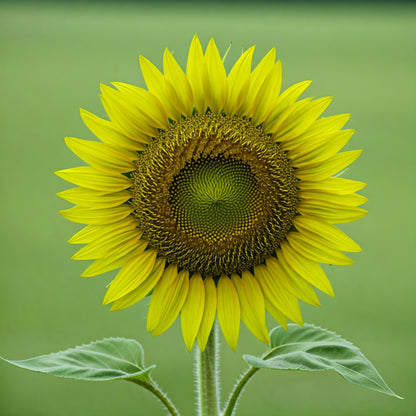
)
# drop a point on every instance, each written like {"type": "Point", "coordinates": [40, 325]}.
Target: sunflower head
{"type": "Point", "coordinates": [214, 192]}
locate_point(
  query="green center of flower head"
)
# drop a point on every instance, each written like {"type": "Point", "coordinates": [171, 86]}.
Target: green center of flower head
{"type": "Point", "coordinates": [214, 194]}
{"type": "Point", "coordinates": [215, 198]}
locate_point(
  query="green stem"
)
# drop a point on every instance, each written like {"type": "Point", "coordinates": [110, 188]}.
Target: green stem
{"type": "Point", "coordinates": [207, 377]}
{"type": "Point", "coordinates": [238, 388]}
{"type": "Point", "coordinates": [154, 388]}
{"type": "Point", "coordinates": [232, 401]}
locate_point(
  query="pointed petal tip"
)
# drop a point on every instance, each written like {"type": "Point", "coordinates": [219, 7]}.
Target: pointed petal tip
{"type": "Point", "coordinates": [201, 346]}
{"type": "Point", "coordinates": [250, 50]}
{"type": "Point", "coordinates": [149, 328]}
{"type": "Point", "coordinates": [265, 338]}
{"type": "Point", "coordinates": [108, 299]}
{"type": "Point", "coordinates": [232, 345]}
{"type": "Point", "coordinates": [69, 141]}
{"type": "Point", "coordinates": [59, 173]}
{"type": "Point", "coordinates": [189, 346]}
{"type": "Point", "coordinates": [105, 89]}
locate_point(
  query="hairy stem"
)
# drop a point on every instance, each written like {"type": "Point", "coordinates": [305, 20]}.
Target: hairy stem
{"type": "Point", "coordinates": [208, 383]}
{"type": "Point", "coordinates": [154, 388]}
{"type": "Point", "coordinates": [235, 394]}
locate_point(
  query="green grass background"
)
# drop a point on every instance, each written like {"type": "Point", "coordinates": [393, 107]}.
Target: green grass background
{"type": "Point", "coordinates": [53, 58]}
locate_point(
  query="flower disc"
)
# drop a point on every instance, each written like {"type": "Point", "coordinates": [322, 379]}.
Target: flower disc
{"type": "Point", "coordinates": [214, 203]}
{"type": "Point", "coordinates": [214, 192]}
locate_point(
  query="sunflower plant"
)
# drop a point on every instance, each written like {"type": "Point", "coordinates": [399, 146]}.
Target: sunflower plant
{"type": "Point", "coordinates": [216, 196]}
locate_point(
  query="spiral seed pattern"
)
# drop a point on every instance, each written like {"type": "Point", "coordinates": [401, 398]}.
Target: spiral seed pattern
{"type": "Point", "coordinates": [214, 194]}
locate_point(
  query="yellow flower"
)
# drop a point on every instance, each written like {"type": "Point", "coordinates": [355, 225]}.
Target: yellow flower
{"type": "Point", "coordinates": [214, 191]}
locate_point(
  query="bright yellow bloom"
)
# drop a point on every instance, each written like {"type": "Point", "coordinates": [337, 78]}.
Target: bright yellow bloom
{"type": "Point", "coordinates": [215, 191]}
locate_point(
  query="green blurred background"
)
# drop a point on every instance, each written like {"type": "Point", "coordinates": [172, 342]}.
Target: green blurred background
{"type": "Point", "coordinates": [53, 58]}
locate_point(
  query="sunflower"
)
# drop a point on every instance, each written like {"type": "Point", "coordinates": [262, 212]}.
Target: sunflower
{"type": "Point", "coordinates": [214, 193]}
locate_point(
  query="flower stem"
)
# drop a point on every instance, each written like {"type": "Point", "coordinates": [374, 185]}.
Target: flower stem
{"type": "Point", "coordinates": [232, 401]}
{"type": "Point", "coordinates": [208, 383]}
{"type": "Point", "coordinates": [155, 389]}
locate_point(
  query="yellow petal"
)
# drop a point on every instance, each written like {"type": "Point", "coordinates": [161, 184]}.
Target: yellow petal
{"type": "Point", "coordinates": [117, 259]}
{"type": "Point", "coordinates": [157, 301]}
{"type": "Point", "coordinates": [105, 246]}
{"type": "Point", "coordinates": [228, 310]}
{"type": "Point", "coordinates": [85, 235]}
{"type": "Point", "coordinates": [275, 313]}
{"type": "Point", "coordinates": [329, 124]}
{"type": "Point", "coordinates": [309, 270]}
{"type": "Point", "coordinates": [106, 131]}
{"type": "Point", "coordinates": [287, 114]}
{"type": "Point", "coordinates": [316, 251]}
{"type": "Point", "coordinates": [257, 78]}
{"type": "Point", "coordinates": [332, 213]}
{"type": "Point", "coordinates": [300, 120]}
{"type": "Point", "coordinates": [94, 199]}
{"type": "Point", "coordinates": [93, 232]}
{"type": "Point", "coordinates": [210, 308]}
{"type": "Point", "coordinates": [102, 156]}
{"type": "Point", "coordinates": [239, 82]}
{"type": "Point", "coordinates": [270, 279]}
{"type": "Point", "coordinates": [124, 115]}
{"type": "Point", "coordinates": [146, 105]}
{"type": "Point", "coordinates": [218, 87]}
{"type": "Point", "coordinates": [196, 73]}
{"type": "Point", "coordinates": [292, 282]}
{"type": "Point", "coordinates": [142, 290]}
{"type": "Point", "coordinates": [157, 85]}
{"type": "Point", "coordinates": [325, 233]}
{"type": "Point", "coordinates": [96, 216]}
{"type": "Point", "coordinates": [176, 77]}
{"type": "Point", "coordinates": [193, 310]}
{"type": "Point", "coordinates": [348, 200]}
{"type": "Point", "coordinates": [134, 273]}
{"type": "Point", "coordinates": [267, 95]}
{"type": "Point", "coordinates": [324, 127]}
{"type": "Point", "coordinates": [285, 100]}
{"type": "Point", "coordinates": [338, 186]}
{"type": "Point", "coordinates": [175, 298]}
{"type": "Point", "coordinates": [297, 282]}
{"type": "Point", "coordinates": [319, 150]}
{"type": "Point", "coordinates": [260, 73]}
{"type": "Point", "coordinates": [264, 102]}
{"type": "Point", "coordinates": [88, 177]}
{"type": "Point", "coordinates": [329, 167]}
{"type": "Point", "coordinates": [252, 305]}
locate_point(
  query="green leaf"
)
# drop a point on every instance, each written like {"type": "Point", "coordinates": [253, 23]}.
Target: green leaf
{"type": "Point", "coordinates": [108, 359]}
{"type": "Point", "coordinates": [311, 348]}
